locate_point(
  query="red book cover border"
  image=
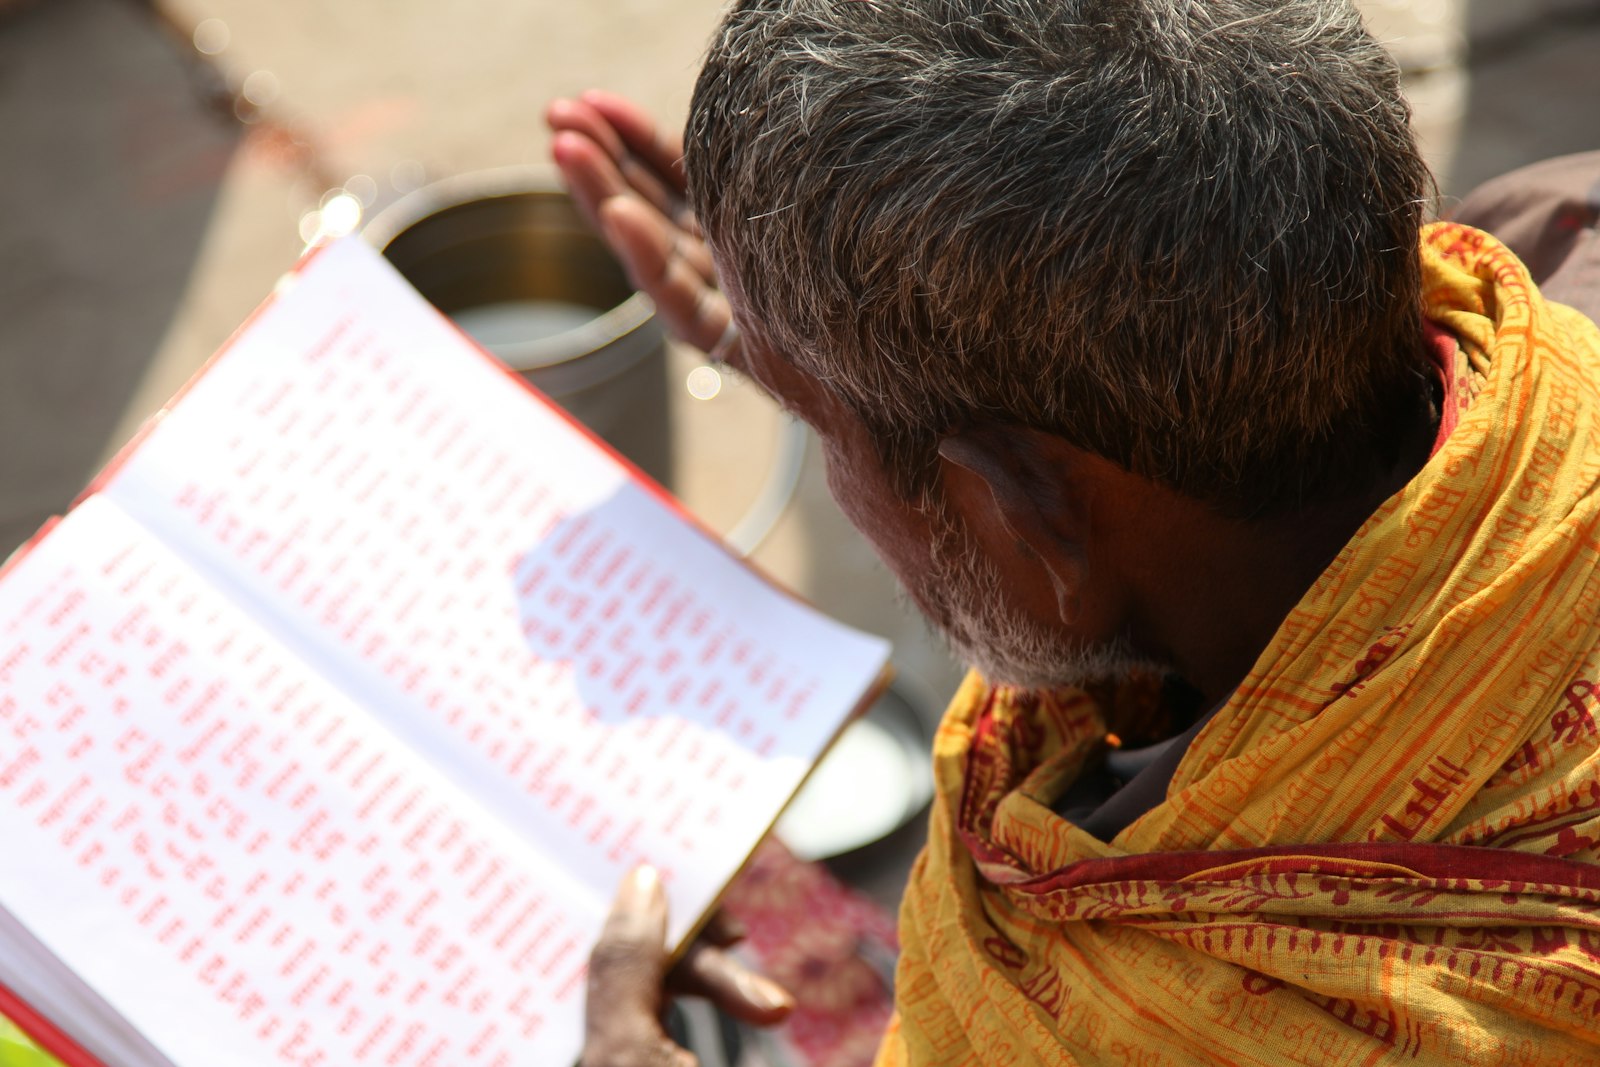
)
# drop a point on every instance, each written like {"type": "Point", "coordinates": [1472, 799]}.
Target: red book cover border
{"type": "Point", "coordinates": [43, 1032]}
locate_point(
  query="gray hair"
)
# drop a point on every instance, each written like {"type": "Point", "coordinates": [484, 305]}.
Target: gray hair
{"type": "Point", "coordinates": [1180, 234]}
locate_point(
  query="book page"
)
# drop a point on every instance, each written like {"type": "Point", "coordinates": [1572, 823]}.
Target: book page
{"type": "Point", "coordinates": [467, 564]}
{"type": "Point", "coordinates": [237, 858]}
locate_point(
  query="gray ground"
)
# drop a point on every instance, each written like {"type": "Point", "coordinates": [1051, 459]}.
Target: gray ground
{"type": "Point", "coordinates": [145, 209]}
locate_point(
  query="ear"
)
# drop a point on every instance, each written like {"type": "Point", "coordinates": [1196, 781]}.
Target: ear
{"type": "Point", "coordinates": [1031, 494]}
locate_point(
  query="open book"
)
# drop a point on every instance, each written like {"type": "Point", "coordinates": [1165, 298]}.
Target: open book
{"type": "Point", "coordinates": [333, 713]}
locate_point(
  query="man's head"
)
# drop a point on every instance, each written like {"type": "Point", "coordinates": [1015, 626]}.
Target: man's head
{"type": "Point", "coordinates": [1175, 235]}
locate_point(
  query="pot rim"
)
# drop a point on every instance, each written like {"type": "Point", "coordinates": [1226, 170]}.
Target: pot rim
{"type": "Point", "coordinates": [613, 326]}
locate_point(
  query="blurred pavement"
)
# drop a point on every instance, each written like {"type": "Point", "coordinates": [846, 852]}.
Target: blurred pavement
{"type": "Point", "coordinates": [160, 159]}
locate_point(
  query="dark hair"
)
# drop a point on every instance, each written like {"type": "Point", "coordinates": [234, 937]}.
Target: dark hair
{"type": "Point", "coordinates": [1180, 234]}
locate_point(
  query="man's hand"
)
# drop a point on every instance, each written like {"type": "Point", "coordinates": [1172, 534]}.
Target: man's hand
{"type": "Point", "coordinates": [627, 179]}
{"type": "Point", "coordinates": [626, 992]}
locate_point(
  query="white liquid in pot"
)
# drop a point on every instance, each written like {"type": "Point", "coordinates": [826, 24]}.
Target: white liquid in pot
{"type": "Point", "coordinates": [516, 322]}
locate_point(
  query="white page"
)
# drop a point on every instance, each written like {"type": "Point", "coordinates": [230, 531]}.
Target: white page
{"type": "Point", "coordinates": [469, 566]}
{"type": "Point", "coordinates": [235, 856]}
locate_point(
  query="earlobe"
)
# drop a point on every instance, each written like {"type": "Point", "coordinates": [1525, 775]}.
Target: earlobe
{"type": "Point", "coordinates": [1005, 480]}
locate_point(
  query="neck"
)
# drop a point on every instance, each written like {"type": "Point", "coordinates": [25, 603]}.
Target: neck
{"type": "Point", "coordinates": [1209, 593]}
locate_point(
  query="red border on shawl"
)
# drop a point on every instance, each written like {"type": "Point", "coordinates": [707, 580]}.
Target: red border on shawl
{"type": "Point", "coordinates": [1442, 353]}
{"type": "Point", "coordinates": [1498, 867]}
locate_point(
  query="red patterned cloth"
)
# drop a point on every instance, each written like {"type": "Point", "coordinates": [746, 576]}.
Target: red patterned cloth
{"type": "Point", "coordinates": [830, 946]}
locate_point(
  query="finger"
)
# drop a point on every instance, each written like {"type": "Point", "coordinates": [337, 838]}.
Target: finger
{"type": "Point", "coordinates": [663, 189]}
{"type": "Point", "coordinates": [722, 930]}
{"type": "Point", "coordinates": [668, 201]}
{"type": "Point", "coordinates": [591, 175]}
{"type": "Point", "coordinates": [655, 239]}
{"type": "Point", "coordinates": [593, 179]}
{"type": "Point", "coordinates": [625, 968]}
{"type": "Point", "coordinates": [692, 309]}
{"type": "Point", "coordinates": [659, 264]}
{"type": "Point", "coordinates": [577, 117]}
{"type": "Point", "coordinates": [708, 971]}
{"type": "Point", "coordinates": [664, 153]}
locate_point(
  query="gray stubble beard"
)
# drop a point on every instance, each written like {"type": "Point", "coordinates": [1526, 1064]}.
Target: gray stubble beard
{"type": "Point", "coordinates": [962, 595]}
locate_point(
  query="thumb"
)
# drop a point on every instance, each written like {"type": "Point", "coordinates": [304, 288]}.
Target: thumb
{"type": "Point", "coordinates": [626, 966]}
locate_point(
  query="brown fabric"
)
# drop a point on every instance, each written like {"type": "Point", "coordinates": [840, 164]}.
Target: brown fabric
{"type": "Point", "coordinates": [1547, 214]}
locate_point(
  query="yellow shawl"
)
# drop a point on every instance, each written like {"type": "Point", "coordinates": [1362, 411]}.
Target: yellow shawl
{"type": "Point", "coordinates": [1381, 849]}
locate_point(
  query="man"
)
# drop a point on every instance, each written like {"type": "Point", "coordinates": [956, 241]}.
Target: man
{"type": "Point", "coordinates": [1275, 544]}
